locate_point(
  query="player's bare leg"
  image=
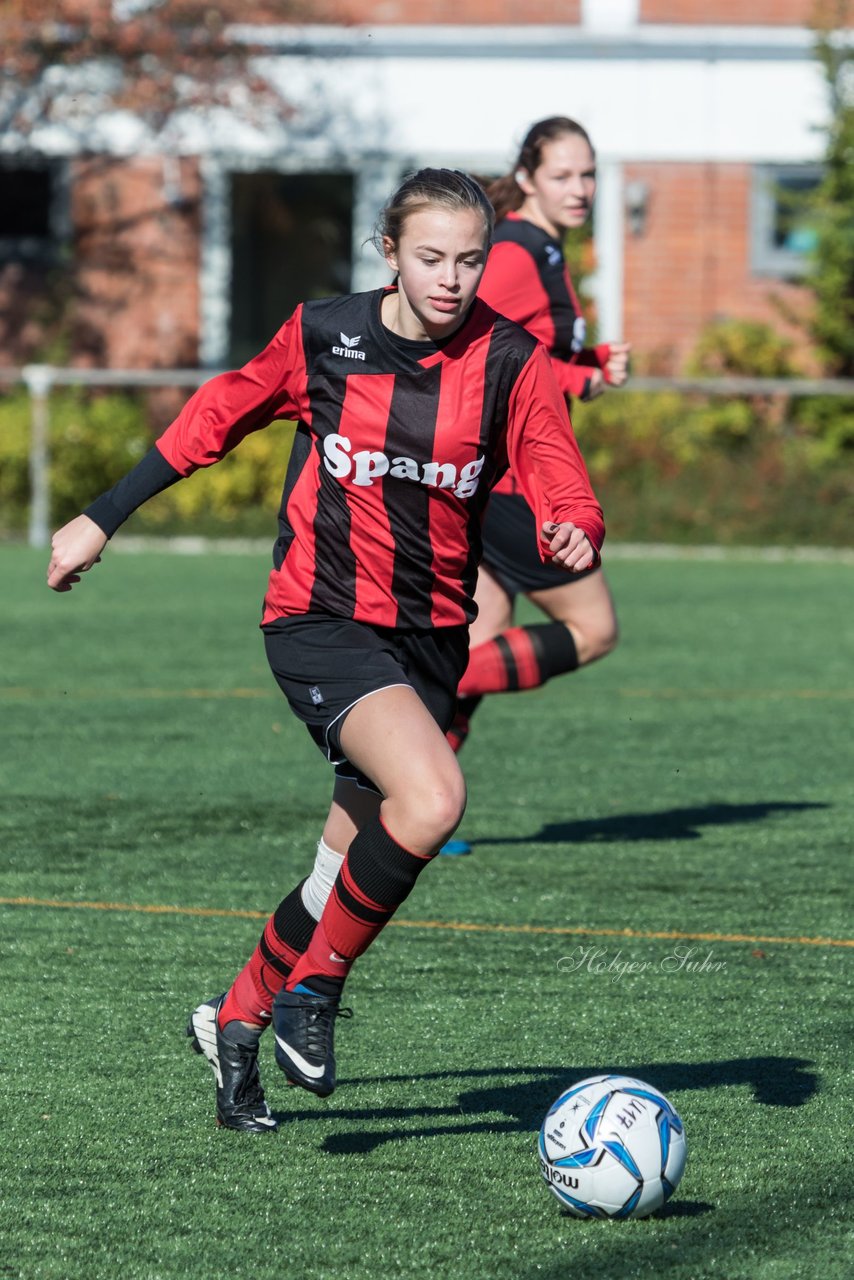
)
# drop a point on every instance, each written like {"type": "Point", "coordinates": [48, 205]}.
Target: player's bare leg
{"type": "Point", "coordinates": [503, 658]}
{"type": "Point", "coordinates": [495, 615]}
{"type": "Point", "coordinates": [392, 738]}
{"type": "Point", "coordinates": [583, 628]}
{"type": "Point", "coordinates": [494, 606]}
{"type": "Point", "coordinates": [586, 609]}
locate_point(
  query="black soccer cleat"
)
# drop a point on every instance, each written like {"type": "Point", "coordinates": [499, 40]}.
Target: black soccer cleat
{"type": "Point", "coordinates": [304, 1026]}
{"type": "Point", "coordinates": [240, 1102]}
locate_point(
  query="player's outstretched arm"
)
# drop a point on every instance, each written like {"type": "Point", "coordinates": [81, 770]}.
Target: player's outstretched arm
{"type": "Point", "coordinates": [570, 547]}
{"type": "Point", "coordinates": [74, 549]}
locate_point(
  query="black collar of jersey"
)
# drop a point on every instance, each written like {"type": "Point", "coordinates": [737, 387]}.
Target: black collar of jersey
{"type": "Point", "coordinates": [528, 234]}
{"type": "Point", "coordinates": [413, 350]}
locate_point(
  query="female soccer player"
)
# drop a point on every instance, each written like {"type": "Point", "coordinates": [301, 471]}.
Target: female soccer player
{"type": "Point", "coordinates": [549, 192]}
{"type": "Point", "coordinates": [410, 402]}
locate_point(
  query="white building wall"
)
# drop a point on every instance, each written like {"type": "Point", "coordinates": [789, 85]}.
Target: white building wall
{"type": "Point", "coordinates": [383, 100]}
{"type": "Point", "coordinates": [718, 95]}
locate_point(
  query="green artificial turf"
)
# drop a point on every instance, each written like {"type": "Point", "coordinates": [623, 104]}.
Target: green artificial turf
{"type": "Point", "coordinates": [697, 782]}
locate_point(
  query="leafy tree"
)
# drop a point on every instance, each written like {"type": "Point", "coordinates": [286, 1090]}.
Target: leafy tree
{"type": "Point", "coordinates": [98, 83]}
{"type": "Point", "coordinates": [832, 276]}
{"type": "Point", "coordinates": [70, 62]}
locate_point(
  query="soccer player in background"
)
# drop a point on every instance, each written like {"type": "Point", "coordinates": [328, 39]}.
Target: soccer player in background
{"type": "Point", "coordinates": [549, 191]}
{"type": "Point", "coordinates": [411, 400]}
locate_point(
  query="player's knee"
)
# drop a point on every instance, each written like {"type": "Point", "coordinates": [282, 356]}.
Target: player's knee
{"type": "Point", "coordinates": [437, 803]}
{"type": "Point", "coordinates": [597, 639]}
{"type": "Point", "coordinates": [450, 808]}
{"type": "Point", "coordinates": [607, 638]}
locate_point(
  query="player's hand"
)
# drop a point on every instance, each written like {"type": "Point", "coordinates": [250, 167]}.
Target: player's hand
{"type": "Point", "coordinates": [570, 546]}
{"type": "Point", "coordinates": [74, 549]}
{"type": "Point", "coordinates": [617, 366]}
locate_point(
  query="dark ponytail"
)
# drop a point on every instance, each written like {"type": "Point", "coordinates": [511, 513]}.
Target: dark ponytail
{"type": "Point", "coordinates": [504, 193]}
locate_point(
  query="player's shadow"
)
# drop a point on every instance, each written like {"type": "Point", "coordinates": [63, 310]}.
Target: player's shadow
{"type": "Point", "coordinates": [672, 1209]}
{"type": "Point", "coordinates": [669, 824]}
{"type": "Point", "coordinates": [681, 1209]}
{"type": "Point", "coordinates": [519, 1106]}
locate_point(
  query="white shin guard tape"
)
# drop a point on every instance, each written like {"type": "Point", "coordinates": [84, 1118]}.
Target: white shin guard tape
{"type": "Point", "coordinates": [318, 886]}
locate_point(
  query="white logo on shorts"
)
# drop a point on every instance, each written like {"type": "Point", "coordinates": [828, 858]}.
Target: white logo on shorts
{"type": "Point", "coordinates": [315, 695]}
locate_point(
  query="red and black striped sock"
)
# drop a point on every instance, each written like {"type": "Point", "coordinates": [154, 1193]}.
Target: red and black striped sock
{"type": "Point", "coordinates": [286, 935]}
{"type": "Point", "coordinates": [376, 877]}
{"type": "Point", "coordinates": [519, 658]}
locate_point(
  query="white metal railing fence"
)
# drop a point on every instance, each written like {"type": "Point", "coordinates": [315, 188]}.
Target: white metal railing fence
{"type": "Point", "coordinates": [40, 379]}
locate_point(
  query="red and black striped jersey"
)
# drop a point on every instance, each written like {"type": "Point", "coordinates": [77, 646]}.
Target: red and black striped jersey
{"type": "Point", "coordinates": [397, 446]}
{"type": "Point", "coordinates": [526, 279]}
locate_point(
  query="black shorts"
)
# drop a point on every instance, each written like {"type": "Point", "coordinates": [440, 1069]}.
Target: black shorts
{"type": "Point", "coordinates": [510, 548]}
{"type": "Point", "coordinates": [325, 665]}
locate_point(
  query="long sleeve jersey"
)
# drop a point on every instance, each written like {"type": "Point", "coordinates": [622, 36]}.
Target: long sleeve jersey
{"type": "Point", "coordinates": [396, 448]}
{"type": "Point", "coordinates": [526, 279]}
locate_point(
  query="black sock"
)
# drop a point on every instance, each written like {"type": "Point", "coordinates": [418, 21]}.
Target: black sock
{"type": "Point", "coordinates": [237, 1033]}
{"type": "Point", "coordinates": [320, 985]}
{"type": "Point", "coordinates": [554, 648]}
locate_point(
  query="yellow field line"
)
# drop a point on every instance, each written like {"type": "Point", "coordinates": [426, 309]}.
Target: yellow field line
{"type": "Point", "coordinates": [670, 935]}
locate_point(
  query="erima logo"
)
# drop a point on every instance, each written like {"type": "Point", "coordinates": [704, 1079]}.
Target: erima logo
{"type": "Point", "coordinates": [553, 254]}
{"type": "Point", "coordinates": [367, 465]}
{"type": "Point", "coordinates": [348, 347]}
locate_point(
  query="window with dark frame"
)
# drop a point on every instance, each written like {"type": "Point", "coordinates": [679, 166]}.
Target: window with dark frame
{"type": "Point", "coordinates": [291, 241]}
{"type": "Point", "coordinates": [782, 220]}
{"type": "Point", "coordinates": [30, 209]}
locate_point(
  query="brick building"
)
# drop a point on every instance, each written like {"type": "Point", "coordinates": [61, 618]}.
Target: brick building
{"type": "Point", "coordinates": [192, 248]}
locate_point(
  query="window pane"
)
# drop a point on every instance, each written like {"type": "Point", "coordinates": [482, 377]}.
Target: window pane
{"type": "Point", "coordinates": [25, 196]}
{"type": "Point", "coordinates": [782, 222]}
{"type": "Point", "coordinates": [793, 229]}
{"type": "Point", "coordinates": [291, 241]}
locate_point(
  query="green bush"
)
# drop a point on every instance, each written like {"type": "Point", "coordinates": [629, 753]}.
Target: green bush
{"type": "Point", "coordinates": [742, 348]}
{"type": "Point", "coordinates": [96, 437]}
{"type": "Point", "coordinates": [703, 468]}
{"type": "Point", "coordinates": [14, 470]}
{"type": "Point", "coordinates": [827, 422]}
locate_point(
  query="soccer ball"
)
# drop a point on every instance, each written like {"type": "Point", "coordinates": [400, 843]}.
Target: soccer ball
{"type": "Point", "coordinates": [612, 1147]}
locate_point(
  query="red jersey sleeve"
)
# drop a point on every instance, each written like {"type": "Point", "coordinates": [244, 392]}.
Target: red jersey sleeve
{"type": "Point", "coordinates": [511, 285]}
{"type": "Point", "coordinates": [572, 378]}
{"type": "Point", "coordinates": [544, 455]}
{"type": "Point", "coordinates": [232, 405]}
